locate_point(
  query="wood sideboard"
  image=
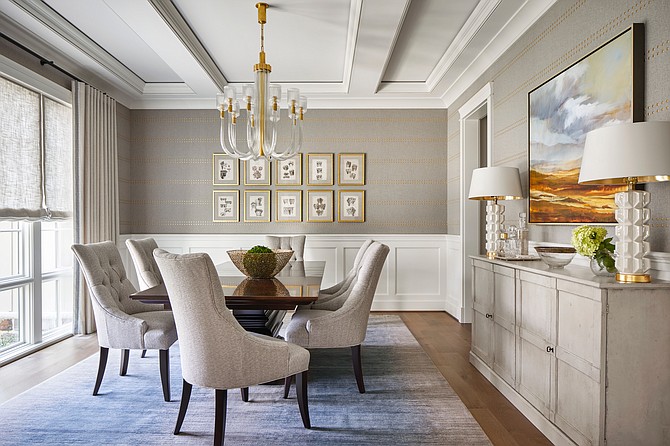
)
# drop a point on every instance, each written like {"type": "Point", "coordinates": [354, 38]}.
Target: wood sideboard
{"type": "Point", "coordinates": [586, 359]}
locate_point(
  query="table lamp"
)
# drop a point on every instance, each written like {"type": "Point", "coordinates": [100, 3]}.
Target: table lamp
{"type": "Point", "coordinates": [493, 184]}
{"type": "Point", "coordinates": [629, 154]}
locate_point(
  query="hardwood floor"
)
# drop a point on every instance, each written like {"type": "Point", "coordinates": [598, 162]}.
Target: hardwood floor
{"type": "Point", "coordinates": [445, 340]}
{"type": "Point", "coordinates": [22, 374]}
{"type": "Point", "coordinates": [448, 344]}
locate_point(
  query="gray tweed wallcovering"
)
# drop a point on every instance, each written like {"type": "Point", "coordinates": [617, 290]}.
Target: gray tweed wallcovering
{"type": "Point", "coordinates": [570, 30]}
{"type": "Point", "coordinates": [165, 171]}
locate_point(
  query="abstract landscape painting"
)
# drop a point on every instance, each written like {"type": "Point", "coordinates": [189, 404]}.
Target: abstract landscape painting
{"type": "Point", "coordinates": [595, 92]}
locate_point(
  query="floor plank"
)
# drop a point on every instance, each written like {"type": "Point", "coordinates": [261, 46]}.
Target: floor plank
{"type": "Point", "coordinates": [445, 340]}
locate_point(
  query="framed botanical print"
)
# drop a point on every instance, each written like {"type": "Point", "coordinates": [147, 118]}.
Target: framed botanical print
{"type": "Point", "coordinates": [225, 170]}
{"type": "Point", "coordinates": [288, 206]}
{"type": "Point", "coordinates": [257, 172]}
{"type": "Point", "coordinates": [320, 206]}
{"type": "Point", "coordinates": [319, 169]}
{"type": "Point", "coordinates": [351, 169]}
{"type": "Point", "coordinates": [226, 206]}
{"type": "Point", "coordinates": [596, 91]}
{"type": "Point", "coordinates": [289, 172]}
{"type": "Point", "coordinates": [257, 206]}
{"type": "Point", "coordinates": [351, 206]}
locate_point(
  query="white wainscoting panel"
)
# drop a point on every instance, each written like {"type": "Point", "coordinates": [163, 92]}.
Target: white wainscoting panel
{"type": "Point", "coordinates": [454, 278]}
{"type": "Point", "coordinates": [416, 271]}
{"type": "Point", "coordinates": [413, 279]}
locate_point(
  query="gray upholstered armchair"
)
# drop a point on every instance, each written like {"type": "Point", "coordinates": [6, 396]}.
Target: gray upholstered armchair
{"type": "Point", "coordinates": [216, 352]}
{"type": "Point", "coordinates": [122, 322]}
{"type": "Point", "coordinates": [346, 325]}
{"type": "Point", "coordinates": [333, 297]}
{"type": "Point", "coordinates": [296, 243]}
{"type": "Point", "coordinates": [142, 252]}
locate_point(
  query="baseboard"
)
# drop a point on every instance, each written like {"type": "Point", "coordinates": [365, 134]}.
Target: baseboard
{"type": "Point", "coordinates": [553, 433]}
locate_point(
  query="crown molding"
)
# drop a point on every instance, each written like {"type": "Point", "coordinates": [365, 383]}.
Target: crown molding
{"type": "Point", "coordinates": [515, 27]}
{"type": "Point", "coordinates": [472, 25]}
{"type": "Point", "coordinates": [167, 88]}
{"type": "Point", "coordinates": [173, 18]}
{"type": "Point", "coordinates": [315, 103]}
{"type": "Point", "coordinates": [41, 12]}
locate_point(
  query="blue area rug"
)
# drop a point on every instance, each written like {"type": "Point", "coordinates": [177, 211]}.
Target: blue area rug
{"type": "Point", "coordinates": [408, 402]}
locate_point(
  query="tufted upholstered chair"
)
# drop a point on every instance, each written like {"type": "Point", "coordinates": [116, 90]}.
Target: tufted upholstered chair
{"type": "Point", "coordinates": [148, 274]}
{"type": "Point", "coordinates": [296, 243]}
{"type": "Point", "coordinates": [122, 322]}
{"type": "Point", "coordinates": [216, 352]}
{"type": "Point", "coordinates": [142, 252]}
{"type": "Point", "coordinates": [344, 326]}
{"type": "Point", "coordinates": [332, 298]}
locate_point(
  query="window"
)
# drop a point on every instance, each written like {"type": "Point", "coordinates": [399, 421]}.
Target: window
{"type": "Point", "coordinates": [36, 291]}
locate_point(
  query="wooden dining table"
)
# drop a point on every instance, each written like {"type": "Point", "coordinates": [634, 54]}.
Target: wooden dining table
{"type": "Point", "coordinates": [259, 305]}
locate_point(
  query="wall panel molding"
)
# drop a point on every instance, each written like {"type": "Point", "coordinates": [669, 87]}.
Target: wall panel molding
{"type": "Point", "coordinates": [397, 280]}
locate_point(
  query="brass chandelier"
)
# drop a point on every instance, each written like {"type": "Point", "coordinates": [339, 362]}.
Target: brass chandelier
{"type": "Point", "coordinates": [261, 101]}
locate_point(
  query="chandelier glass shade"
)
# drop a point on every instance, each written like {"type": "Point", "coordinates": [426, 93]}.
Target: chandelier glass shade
{"type": "Point", "coordinates": [261, 102]}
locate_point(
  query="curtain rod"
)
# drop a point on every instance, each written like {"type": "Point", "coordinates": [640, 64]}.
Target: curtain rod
{"type": "Point", "coordinates": [43, 61]}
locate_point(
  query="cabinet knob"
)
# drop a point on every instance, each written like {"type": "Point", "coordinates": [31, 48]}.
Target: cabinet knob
{"type": "Point", "coordinates": [550, 349]}
{"type": "Point", "coordinates": [489, 316]}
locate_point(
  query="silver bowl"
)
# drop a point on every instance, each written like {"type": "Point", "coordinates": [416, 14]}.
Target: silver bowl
{"type": "Point", "coordinates": [556, 256]}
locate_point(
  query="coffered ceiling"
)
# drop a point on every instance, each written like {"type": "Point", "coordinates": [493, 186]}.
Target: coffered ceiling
{"type": "Point", "coordinates": [340, 53]}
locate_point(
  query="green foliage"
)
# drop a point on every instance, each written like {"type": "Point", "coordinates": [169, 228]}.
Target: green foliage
{"type": "Point", "coordinates": [260, 261]}
{"type": "Point", "coordinates": [259, 249]}
{"type": "Point", "coordinates": [590, 241]}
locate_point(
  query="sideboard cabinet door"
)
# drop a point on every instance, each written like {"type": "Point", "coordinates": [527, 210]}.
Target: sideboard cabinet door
{"type": "Point", "coordinates": [504, 318]}
{"type": "Point", "coordinates": [536, 372]}
{"type": "Point", "coordinates": [482, 303]}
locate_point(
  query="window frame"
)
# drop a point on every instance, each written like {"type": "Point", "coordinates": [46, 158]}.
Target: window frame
{"type": "Point", "coordinates": [32, 277]}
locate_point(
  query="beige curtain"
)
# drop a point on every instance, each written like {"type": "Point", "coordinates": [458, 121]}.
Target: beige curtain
{"type": "Point", "coordinates": [96, 182]}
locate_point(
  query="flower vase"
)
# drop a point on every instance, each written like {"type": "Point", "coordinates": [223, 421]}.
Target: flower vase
{"type": "Point", "coordinates": [600, 270]}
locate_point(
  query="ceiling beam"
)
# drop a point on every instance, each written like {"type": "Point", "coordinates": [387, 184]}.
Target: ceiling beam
{"type": "Point", "coordinates": [379, 27]}
{"type": "Point", "coordinates": [171, 15]}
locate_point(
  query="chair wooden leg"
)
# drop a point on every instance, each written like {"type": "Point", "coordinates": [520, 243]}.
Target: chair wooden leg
{"type": "Point", "coordinates": [301, 390]}
{"type": "Point", "coordinates": [144, 353]}
{"type": "Point", "coordinates": [183, 405]}
{"type": "Point", "coordinates": [244, 391]}
{"type": "Point", "coordinates": [104, 353]}
{"type": "Point", "coordinates": [287, 385]}
{"type": "Point", "coordinates": [164, 360]}
{"type": "Point", "coordinates": [125, 355]}
{"type": "Point", "coordinates": [358, 368]}
{"type": "Point", "coordinates": [220, 416]}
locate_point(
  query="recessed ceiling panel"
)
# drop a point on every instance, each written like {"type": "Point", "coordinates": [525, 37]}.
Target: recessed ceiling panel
{"type": "Point", "coordinates": [427, 31]}
{"type": "Point", "coordinates": [305, 41]}
{"type": "Point", "coordinates": [101, 24]}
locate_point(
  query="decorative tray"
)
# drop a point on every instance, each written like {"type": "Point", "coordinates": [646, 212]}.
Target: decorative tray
{"type": "Point", "coordinates": [520, 257]}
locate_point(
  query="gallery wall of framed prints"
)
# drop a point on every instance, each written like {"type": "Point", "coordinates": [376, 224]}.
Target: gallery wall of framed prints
{"type": "Point", "coordinates": [290, 199]}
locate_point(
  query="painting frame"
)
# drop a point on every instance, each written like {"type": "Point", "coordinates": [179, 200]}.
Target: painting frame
{"type": "Point", "coordinates": [231, 204]}
{"type": "Point", "coordinates": [351, 206]}
{"type": "Point", "coordinates": [320, 211]}
{"type": "Point", "coordinates": [252, 206]}
{"type": "Point", "coordinates": [283, 212]}
{"type": "Point", "coordinates": [320, 169]}
{"type": "Point", "coordinates": [225, 170]}
{"type": "Point", "coordinates": [560, 113]}
{"type": "Point", "coordinates": [351, 169]}
{"type": "Point", "coordinates": [289, 172]}
{"type": "Point", "coordinates": [257, 172]}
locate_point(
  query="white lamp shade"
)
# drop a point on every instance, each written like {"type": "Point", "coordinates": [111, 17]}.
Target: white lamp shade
{"type": "Point", "coordinates": [495, 183]}
{"type": "Point", "coordinates": [613, 154]}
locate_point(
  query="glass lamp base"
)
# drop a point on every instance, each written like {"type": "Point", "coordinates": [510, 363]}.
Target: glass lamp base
{"type": "Point", "coordinates": [632, 231]}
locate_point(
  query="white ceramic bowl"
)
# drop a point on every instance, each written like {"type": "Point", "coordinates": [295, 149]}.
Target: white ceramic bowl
{"type": "Point", "coordinates": [556, 256]}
